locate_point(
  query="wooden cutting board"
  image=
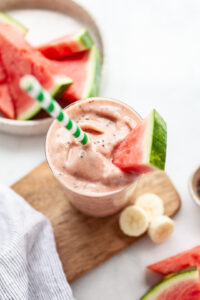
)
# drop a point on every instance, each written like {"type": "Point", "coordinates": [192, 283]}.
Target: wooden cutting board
{"type": "Point", "coordinates": [84, 242]}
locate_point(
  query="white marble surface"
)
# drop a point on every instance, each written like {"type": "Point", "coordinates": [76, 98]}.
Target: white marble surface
{"type": "Point", "coordinates": [153, 60]}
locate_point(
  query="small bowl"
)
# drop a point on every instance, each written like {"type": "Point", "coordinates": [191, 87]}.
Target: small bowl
{"type": "Point", "coordinates": [78, 14]}
{"type": "Point", "coordinates": [193, 186]}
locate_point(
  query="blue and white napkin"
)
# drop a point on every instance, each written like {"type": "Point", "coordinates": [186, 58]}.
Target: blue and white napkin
{"type": "Point", "coordinates": [30, 267]}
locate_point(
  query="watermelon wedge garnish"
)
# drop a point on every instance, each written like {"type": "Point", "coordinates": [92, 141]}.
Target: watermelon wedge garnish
{"type": "Point", "coordinates": [144, 148]}
{"type": "Point", "coordinates": [181, 286]}
{"type": "Point", "coordinates": [6, 19]}
{"type": "Point", "coordinates": [19, 58]}
{"type": "Point", "coordinates": [67, 45]}
{"type": "Point", "coordinates": [178, 262]}
{"type": "Point", "coordinates": [85, 70]}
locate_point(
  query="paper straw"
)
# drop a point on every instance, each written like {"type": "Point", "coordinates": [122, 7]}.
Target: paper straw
{"type": "Point", "coordinates": [31, 85]}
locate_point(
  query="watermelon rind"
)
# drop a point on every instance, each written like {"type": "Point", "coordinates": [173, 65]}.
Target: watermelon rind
{"type": "Point", "coordinates": [155, 141]}
{"type": "Point", "coordinates": [84, 39]}
{"type": "Point", "coordinates": [60, 86]}
{"type": "Point", "coordinates": [4, 18]}
{"type": "Point", "coordinates": [171, 281]}
{"type": "Point", "coordinates": [31, 112]}
{"type": "Point", "coordinates": [92, 85]}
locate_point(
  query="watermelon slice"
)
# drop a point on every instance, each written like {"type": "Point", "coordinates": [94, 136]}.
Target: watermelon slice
{"type": "Point", "coordinates": [6, 19]}
{"type": "Point", "coordinates": [85, 70]}
{"type": "Point", "coordinates": [177, 262]}
{"type": "Point", "coordinates": [67, 45]}
{"type": "Point", "coordinates": [6, 104]}
{"type": "Point", "coordinates": [144, 148]}
{"type": "Point", "coordinates": [180, 286]}
{"type": "Point", "coordinates": [19, 58]}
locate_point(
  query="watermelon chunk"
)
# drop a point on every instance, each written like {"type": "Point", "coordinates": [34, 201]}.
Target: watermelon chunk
{"type": "Point", "coordinates": [144, 148]}
{"type": "Point", "coordinates": [85, 70]}
{"type": "Point", "coordinates": [6, 104]}
{"type": "Point", "coordinates": [178, 262]}
{"type": "Point", "coordinates": [180, 286]}
{"type": "Point", "coordinates": [67, 45]}
{"type": "Point", "coordinates": [6, 19]}
{"type": "Point", "coordinates": [19, 58]}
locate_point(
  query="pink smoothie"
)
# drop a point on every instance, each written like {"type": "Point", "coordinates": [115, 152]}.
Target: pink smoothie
{"type": "Point", "coordinates": [87, 171]}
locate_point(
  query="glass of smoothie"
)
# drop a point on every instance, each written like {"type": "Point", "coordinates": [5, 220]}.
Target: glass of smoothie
{"type": "Point", "coordinates": [93, 184]}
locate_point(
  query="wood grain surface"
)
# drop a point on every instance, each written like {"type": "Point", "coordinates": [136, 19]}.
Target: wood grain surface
{"type": "Point", "coordinates": [84, 242]}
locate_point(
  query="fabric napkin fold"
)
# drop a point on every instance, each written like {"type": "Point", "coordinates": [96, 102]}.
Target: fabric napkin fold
{"type": "Point", "coordinates": [30, 267]}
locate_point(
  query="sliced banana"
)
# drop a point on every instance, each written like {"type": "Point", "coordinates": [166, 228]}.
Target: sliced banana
{"type": "Point", "coordinates": [133, 221]}
{"type": "Point", "coordinates": [152, 204]}
{"type": "Point", "coordinates": [160, 229]}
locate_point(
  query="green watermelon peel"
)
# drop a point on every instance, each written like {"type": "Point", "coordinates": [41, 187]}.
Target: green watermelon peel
{"type": "Point", "coordinates": [94, 65]}
{"type": "Point", "coordinates": [156, 141]}
{"type": "Point", "coordinates": [60, 86]}
{"type": "Point", "coordinates": [84, 40]}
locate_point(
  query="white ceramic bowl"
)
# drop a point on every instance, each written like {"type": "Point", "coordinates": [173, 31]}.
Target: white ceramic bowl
{"type": "Point", "coordinates": [78, 14]}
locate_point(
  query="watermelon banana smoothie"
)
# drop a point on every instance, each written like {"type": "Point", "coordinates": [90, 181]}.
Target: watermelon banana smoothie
{"type": "Point", "coordinates": [94, 184]}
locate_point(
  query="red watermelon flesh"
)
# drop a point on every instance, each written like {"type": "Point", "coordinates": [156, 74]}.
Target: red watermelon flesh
{"type": "Point", "coordinates": [178, 262]}
{"type": "Point", "coordinates": [189, 290]}
{"type": "Point", "coordinates": [129, 153]}
{"type": "Point", "coordinates": [84, 69]}
{"type": "Point", "coordinates": [6, 103]}
{"type": "Point", "coordinates": [76, 66]}
{"type": "Point", "coordinates": [181, 286]}
{"type": "Point", "coordinates": [2, 74]}
{"type": "Point", "coordinates": [67, 45]}
{"type": "Point", "coordinates": [19, 58]}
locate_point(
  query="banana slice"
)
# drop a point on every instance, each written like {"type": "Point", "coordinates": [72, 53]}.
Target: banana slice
{"type": "Point", "coordinates": [152, 204]}
{"type": "Point", "coordinates": [133, 221]}
{"type": "Point", "coordinates": [160, 229]}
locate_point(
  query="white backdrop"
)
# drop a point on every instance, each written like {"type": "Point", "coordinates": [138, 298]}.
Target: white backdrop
{"type": "Point", "coordinates": [152, 61]}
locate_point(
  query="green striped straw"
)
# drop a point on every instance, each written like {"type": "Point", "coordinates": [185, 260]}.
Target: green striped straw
{"type": "Point", "coordinates": [31, 85]}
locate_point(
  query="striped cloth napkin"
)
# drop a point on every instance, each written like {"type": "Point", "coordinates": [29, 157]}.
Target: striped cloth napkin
{"type": "Point", "coordinates": [29, 264]}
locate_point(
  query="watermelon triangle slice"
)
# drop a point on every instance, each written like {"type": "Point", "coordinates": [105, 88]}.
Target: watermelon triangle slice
{"type": "Point", "coordinates": [144, 148]}
{"type": "Point", "coordinates": [67, 45]}
{"type": "Point", "coordinates": [181, 286]}
{"type": "Point", "coordinates": [85, 70]}
{"type": "Point", "coordinates": [19, 58]}
{"type": "Point", "coordinates": [178, 262]}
